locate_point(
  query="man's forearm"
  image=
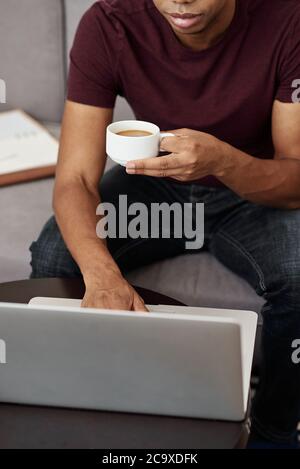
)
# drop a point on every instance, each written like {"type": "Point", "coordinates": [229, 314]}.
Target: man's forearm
{"type": "Point", "coordinates": [75, 209]}
{"type": "Point", "coordinates": [268, 182]}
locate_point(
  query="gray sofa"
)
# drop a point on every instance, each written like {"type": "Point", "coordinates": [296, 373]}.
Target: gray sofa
{"type": "Point", "coordinates": [36, 36]}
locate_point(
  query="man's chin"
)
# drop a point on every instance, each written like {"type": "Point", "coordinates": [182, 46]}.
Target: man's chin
{"type": "Point", "coordinates": [193, 30]}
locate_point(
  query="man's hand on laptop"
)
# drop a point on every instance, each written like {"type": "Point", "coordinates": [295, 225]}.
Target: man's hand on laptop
{"type": "Point", "coordinates": [112, 291]}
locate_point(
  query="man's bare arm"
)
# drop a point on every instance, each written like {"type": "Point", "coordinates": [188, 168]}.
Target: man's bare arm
{"type": "Point", "coordinates": [194, 155]}
{"type": "Point", "coordinates": [81, 164]}
{"type": "Point", "coordinates": [269, 182]}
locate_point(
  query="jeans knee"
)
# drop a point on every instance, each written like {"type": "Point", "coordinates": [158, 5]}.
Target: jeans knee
{"type": "Point", "coordinates": [286, 286]}
{"type": "Point", "coordinates": [50, 256]}
{"type": "Point", "coordinates": [281, 312]}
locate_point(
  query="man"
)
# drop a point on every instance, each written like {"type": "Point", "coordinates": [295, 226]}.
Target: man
{"type": "Point", "coordinates": [223, 75]}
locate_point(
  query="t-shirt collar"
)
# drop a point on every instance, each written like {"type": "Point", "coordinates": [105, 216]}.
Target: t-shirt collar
{"type": "Point", "coordinates": [181, 51]}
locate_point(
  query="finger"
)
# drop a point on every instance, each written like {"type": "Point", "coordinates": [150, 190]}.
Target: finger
{"type": "Point", "coordinates": [175, 131]}
{"type": "Point", "coordinates": [185, 132]}
{"type": "Point", "coordinates": [160, 173]}
{"type": "Point", "coordinates": [138, 304]}
{"type": "Point", "coordinates": [171, 161]}
{"type": "Point", "coordinates": [171, 144]}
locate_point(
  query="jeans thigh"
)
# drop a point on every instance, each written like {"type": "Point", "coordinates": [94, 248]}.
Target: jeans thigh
{"type": "Point", "coordinates": [50, 256]}
{"type": "Point", "coordinates": [129, 252]}
{"type": "Point", "coordinates": [260, 244]}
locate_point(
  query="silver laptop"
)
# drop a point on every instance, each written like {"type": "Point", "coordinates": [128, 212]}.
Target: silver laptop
{"type": "Point", "coordinates": [177, 361]}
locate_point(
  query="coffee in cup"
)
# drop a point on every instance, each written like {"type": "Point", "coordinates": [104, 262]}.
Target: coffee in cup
{"type": "Point", "coordinates": [134, 133]}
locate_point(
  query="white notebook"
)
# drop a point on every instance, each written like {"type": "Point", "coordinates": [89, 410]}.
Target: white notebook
{"type": "Point", "coordinates": [24, 144]}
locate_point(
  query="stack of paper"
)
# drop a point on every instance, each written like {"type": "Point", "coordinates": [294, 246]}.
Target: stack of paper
{"type": "Point", "coordinates": [27, 150]}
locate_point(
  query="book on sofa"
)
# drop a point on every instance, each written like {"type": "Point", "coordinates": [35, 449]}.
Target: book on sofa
{"type": "Point", "coordinates": [27, 150]}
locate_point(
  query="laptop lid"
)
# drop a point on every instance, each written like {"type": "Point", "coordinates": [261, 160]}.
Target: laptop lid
{"type": "Point", "coordinates": [159, 363]}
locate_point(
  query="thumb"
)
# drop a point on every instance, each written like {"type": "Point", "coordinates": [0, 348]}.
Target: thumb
{"type": "Point", "coordinates": [138, 304]}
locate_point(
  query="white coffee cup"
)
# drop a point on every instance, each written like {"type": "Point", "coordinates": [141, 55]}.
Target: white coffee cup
{"type": "Point", "coordinates": [123, 149]}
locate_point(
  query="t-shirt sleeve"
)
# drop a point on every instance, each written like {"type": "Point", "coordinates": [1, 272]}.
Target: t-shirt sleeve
{"type": "Point", "coordinates": [92, 74]}
{"type": "Point", "coordinates": [289, 70]}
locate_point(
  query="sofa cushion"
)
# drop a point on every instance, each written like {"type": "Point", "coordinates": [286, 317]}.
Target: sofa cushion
{"type": "Point", "coordinates": [32, 56]}
{"type": "Point", "coordinates": [198, 280]}
{"type": "Point", "coordinates": [25, 208]}
{"type": "Point", "coordinates": [74, 9]}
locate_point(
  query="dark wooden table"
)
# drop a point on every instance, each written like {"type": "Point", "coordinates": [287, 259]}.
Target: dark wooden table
{"type": "Point", "coordinates": [42, 428]}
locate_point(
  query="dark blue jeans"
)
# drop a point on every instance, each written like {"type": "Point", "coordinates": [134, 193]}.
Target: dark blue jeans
{"type": "Point", "coordinates": [260, 244]}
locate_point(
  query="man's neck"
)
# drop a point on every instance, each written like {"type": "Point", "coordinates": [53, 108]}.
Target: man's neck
{"type": "Point", "coordinates": [213, 33]}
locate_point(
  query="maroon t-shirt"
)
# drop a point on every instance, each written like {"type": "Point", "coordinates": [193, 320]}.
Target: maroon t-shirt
{"type": "Point", "coordinates": [127, 48]}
